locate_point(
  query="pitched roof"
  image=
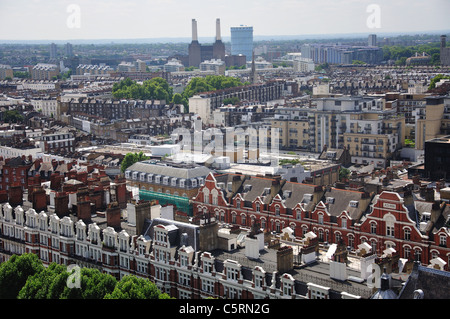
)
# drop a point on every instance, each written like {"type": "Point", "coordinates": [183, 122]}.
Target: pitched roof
{"type": "Point", "coordinates": [341, 201]}
{"type": "Point", "coordinates": [433, 283]}
{"type": "Point", "coordinates": [297, 191]}
{"type": "Point", "coordinates": [168, 169]}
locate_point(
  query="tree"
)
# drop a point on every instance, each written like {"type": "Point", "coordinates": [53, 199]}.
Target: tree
{"type": "Point", "coordinates": [344, 173]}
{"type": "Point", "coordinates": [132, 287]}
{"type": "Point", "coordinates": [436, 79]}
{"type": "Point", "coordinates": [12, 116]}
{"type": "Point", "coordinates": [131, 158]}
{"type": "Point", "coordinates": [43, 284]}
{"type": "Point", "coordinates": [15, 272]}
{"type": "Point", "coordinates": [177, 98]}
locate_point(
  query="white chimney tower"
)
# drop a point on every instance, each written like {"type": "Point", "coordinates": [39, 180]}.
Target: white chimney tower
{"type": "Point", "coordinates": [218, 36]}
{"type": "Point", "coordinates": [194, 30]}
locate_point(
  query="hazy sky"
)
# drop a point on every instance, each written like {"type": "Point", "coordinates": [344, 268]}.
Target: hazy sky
{"type": "Point", "coordinates": [119, 19]}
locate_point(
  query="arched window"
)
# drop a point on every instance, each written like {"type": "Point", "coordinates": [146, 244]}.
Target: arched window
{"type": "Point", "coordinates": [407, 234]}
{"type": "Point", "coordinates": [277, 210]}
{"type": "Point", "coordinates": [205, 195]}
{"type": "Point", "coordinates": [390, 223]}
{"type": "Point", "coordinates": [320, 219]}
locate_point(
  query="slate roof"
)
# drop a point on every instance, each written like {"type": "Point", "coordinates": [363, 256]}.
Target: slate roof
{"type": "Point", "coordinates": [172, 170]}
{"type": "Point", "coordinates": [298, 190]}
{"type": "Point", "coordinates": [341, 202]}
{"type": "Point", "coordinates": [435, 284]}
{"type": "Point", "coordinates": [257, 187]}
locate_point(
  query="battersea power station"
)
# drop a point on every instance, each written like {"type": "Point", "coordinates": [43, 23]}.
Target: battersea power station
{"type": "Point", "coordinates": [199, 53]}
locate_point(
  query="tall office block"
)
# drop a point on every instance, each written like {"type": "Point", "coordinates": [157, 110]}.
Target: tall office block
{"type": "Point", "coordinates": [372, 41]}
{"type": "Point", "coordinates": [242, 41]}
{"type": "Point", "coordinates": [53, 51]}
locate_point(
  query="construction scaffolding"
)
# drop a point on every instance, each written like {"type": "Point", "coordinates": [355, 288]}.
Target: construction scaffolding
{"type": "Point", "coordinates": [181, 203]}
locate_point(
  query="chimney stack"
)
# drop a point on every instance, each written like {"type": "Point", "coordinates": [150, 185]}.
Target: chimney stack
{"type": "Point", "coordinates": [218, 36]}
{"type": "Point", "coordinates": [194, 30]}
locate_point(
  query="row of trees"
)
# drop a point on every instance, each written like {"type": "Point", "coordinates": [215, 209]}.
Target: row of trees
{"type": "Point", "coordinates": [400, 53]}
{"type": "Point", "coordinates": [159, 89]}
{"type": "Point", "coordinates": [153, 89]}
{"type": "Point", "coordinates": [25, 277]}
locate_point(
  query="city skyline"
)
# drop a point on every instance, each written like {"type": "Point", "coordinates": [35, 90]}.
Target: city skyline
{"type": "Point", "coordinates": [138, 19]}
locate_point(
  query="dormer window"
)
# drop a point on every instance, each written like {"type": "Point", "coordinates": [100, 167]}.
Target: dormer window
{"type": "Point", "coordinates": [330, 200]}
{"type": "Point", "coordinates": [354, 203]}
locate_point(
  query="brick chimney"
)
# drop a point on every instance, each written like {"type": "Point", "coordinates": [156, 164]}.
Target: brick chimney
{"type": "Point", "coordinates": [121, 190]}
{"type": "Point", "coordinates": [39, 198]}
{"type": "Point", "coordinates": [61, 204]}
{"type": "Point", "coordinates": [285, 259]}
{"type": "Point", "coordinates": [142, 211]}
{"type": "Point", "coordinates": [113, 213]}
{"type": "Point", "coordinates": [15, 195]}
{"type": "Point", "coordinates": [56, 181]}
{"type": "Point", "coordinates": [84, 210]}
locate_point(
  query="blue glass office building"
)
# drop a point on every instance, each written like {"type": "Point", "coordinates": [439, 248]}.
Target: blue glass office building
{"type": "Point", "coordinates": [242, 41]}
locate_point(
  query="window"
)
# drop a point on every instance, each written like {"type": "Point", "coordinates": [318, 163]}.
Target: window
{"type": "Point", "coordinates": [258, 207]}
{"type": "Point", "coordinates": [287, 289]}
{"type": "Point", "coordinates": [389, 230]}
{"type": "Point", "coordinates": [207, 266]}
{"type": "Point", "coordinates": [443, 240]}
{"type": "Point", "coordinates": [232, 273]}
{"type": "Point", "coordinates": [277, 210]}
{"type": "Point", "coordinates": [299, 214]}
{"type": "Point", "coordinates": [259, 281]}
{"type": "Point", "coordinates": [417, 255]}
{"type": "Point", "coordinates": [344, 222]}
{"type": "Point", "coordinates": [207, 286]}
{"type": "Point", "coordinates": [205, 195]}
{"type": "Point", "coordinates": [373, 228]}
{"type": "Point", "coordinates": [320, 219]}
{"type": "Point", "coordinates": [406, 252]}
{"type": "Point", "coordinates": [238, 202]}
{"type": "Point", "coordinates": [407, 234]}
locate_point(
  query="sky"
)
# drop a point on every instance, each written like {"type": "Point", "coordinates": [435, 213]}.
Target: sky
{"type": "Point", "coordinates": [136, 19]}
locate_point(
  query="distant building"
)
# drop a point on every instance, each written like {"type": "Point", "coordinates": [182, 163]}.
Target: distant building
{"type": "Point", "coordinates": [303, 65]}
{"type": "Point", "coordinates": [372, 40]}
{"type": "Point", "coordinates": [341, 54]}
{"type": "Point", "coordinates": [173, 65]}
{"type": "Point", "coordinates": [44, 71]}
{"type": "Point", "coordinates": [83, 69]}
{"type": "Point", "coordinates": [69, 50]}
{"type": "Point", "coordinates": [53, 52]}
{"type": "Point", "coordinates": [418, 59]}
{"type": "Point", "coordinates": [6, 72]}
{"type": "Point", "coordinates": [199, 53]}
{"type": "Point", "coordinates": [242, 41]}
{"type": "Point", "coordinates": [445, 52]}
{"type": "Point", "coordinates": [218, 66]}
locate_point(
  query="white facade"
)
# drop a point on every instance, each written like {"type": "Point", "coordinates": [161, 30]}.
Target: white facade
{"type": "Point", "coordinates": [49, 107]}
{"type": "Point", "coordinates": [303, 65]}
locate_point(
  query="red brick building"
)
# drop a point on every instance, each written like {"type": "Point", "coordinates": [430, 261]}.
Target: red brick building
{"type": "Point", "coordinates": [416, 230]}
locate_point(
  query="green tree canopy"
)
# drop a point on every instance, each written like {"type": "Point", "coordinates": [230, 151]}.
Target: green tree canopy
{"type": "Point", "coordinates": [15, 272]}
{"type": "Point", "coordinates": [12, 116]}
{"type": "Point", "coordinates": [153, 89]}
{"type": "Point", "coordinates": [436, 79]}
{"type": "Point", "coordinates": [132, 287]}
{"type": "Point", "coordinates": [25, 277]}
{"type": "Point", "coordinates": [130, 159]}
